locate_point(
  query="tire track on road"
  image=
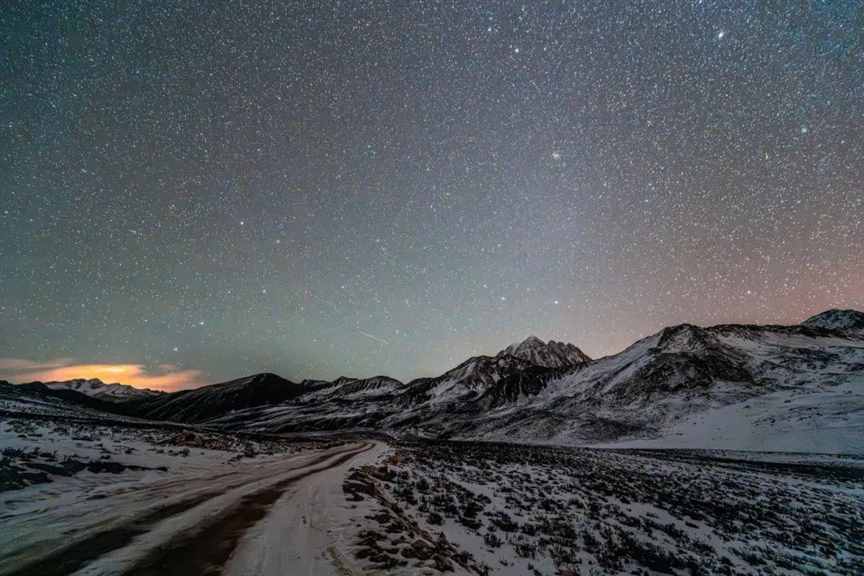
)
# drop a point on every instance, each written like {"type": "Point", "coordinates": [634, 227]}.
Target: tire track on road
{"type": "Point", "coordinates": [71, 558]}
{"type": "Point", "coordinates": [206, 551]}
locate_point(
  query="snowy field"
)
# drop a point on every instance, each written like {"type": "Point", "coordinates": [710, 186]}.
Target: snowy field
{"type": "Point", "coordinates": [825, 420]}
{"type": "Point", "coordinates": [131, 497]}
{"type": "Point", "coordinates": [516, 510]}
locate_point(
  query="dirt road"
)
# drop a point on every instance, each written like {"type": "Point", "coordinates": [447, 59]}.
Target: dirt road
{"type": "Point", "coordinates": [210, 527]}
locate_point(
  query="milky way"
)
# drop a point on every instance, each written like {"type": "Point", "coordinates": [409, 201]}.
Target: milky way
{"type": "Point", "coordinates": [350, 188]}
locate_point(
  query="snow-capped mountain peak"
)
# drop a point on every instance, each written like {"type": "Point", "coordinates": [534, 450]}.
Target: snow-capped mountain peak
{"type": "Point", "coordinates": [851, 321]}
{"type": "Point", "coordinates": [532, 342]}
{"type": "Point", "coordinates": [550, 354]}
{"type": "Point", "coordinates": [97, 389]}
{"type": "Point", "coordinates": [805, 378]}
{"type": "Point", "coordinates": [685, 338]}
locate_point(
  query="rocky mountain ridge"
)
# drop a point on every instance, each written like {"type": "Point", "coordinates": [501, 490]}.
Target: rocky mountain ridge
{"type": "Point", "coordinates": [807, 376]}
{"type": "Point", "coordinates": [96, 388]}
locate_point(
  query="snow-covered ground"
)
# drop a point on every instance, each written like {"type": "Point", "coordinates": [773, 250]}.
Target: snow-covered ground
{"type": "Point", "coordinates": [830, 420]}
{"type": "Point", "coordinates": [516, 510]}
{"type": "Point", "coordinates": [310, 530]}
{"type": "Point", "coordinates": [47, 407]}
{"type": "Point", "coordinates": [774, 388]}
{"type": "Point", "coordinates": [101, 497]}
{"type": "Point", "coordinates": [113, 499]}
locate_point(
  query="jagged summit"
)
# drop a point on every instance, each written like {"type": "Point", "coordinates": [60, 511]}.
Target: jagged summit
{"type": "Point", "coordinates": [375, 385]}
{"type": "Point", "coordinates": [684, 338]}
{"type": "Point", "coordinates": [837, 319]}
{"type": "Point", "coordinates": [802, 378]}
{"type": "Point", "coordinates": [550, 354]}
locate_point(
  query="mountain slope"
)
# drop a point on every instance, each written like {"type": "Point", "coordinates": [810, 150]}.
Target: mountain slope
{"type": "Point", "coordinates": [95, 388]}
{"type": "Point", "coordinates": [201, 404]}
{"type": "Point", "coordinates": [657, 387]}
{"type": "Point", "coordinates": [37, 398]}
{"type": "Point", "coordinates": [549, 355]}
{"type": "Point", "coordinates": [385, 403]}
{"type": "Point", "coordinates": [478, 375]}
{"type": "Point", "coordinates": [669, 377]}
{"type": "Point", "coordinates": [352, 388]}
{"type": "Point", "coordinates": [680, 386]}
{"type": "Point", "coordinates": [849, 321]}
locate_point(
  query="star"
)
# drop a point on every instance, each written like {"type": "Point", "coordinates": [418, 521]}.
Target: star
{"type": "Point", "coordinates": [528, 149]}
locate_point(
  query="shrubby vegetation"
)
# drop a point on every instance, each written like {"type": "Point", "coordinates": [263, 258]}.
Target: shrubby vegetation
{"type": "Point", "coordinates": [493, 508]}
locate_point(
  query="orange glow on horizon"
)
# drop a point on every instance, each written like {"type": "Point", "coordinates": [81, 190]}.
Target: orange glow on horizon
{"type": "Point", "coordinates": [166, 377]}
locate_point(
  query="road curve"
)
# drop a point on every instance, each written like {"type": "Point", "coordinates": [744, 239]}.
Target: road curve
{"type": "Point", "coordinates": [229, 525]}
{"type": "Point", "coordinates": [207, 550]}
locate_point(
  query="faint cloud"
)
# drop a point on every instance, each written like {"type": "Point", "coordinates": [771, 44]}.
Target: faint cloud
{"type": "Point", "coordinates": [21, 365]}
{"type": "Point", "coordinates": [167, 377]}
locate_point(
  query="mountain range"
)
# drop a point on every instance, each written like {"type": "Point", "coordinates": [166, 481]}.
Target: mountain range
{"type": "Point", "coordinates": [95, 388]}
{"type": "Point", "coordinates": [731, 386]}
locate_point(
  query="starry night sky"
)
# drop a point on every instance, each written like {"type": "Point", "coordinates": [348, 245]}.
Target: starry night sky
{"type": "Point", "coordinates": [200, 192]}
